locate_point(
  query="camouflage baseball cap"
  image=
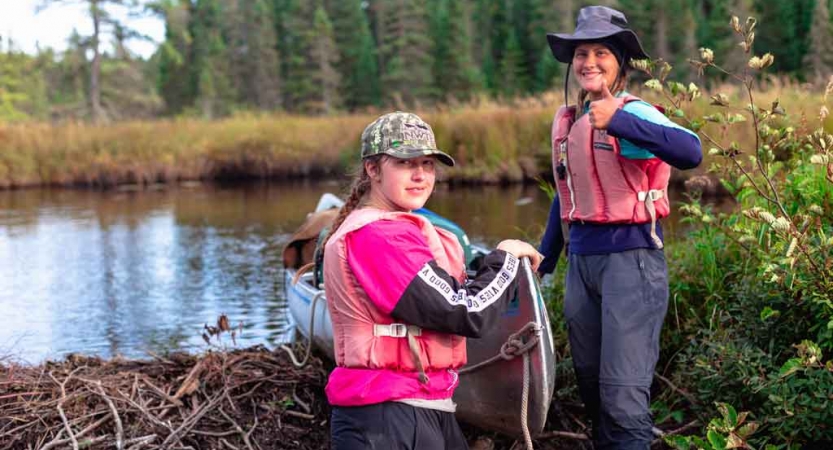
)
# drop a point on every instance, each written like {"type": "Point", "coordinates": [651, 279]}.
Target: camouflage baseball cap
{"type": "Point", "coordinates": [401, 135]}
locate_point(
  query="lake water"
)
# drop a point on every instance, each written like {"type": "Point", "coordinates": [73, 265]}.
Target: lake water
{"type": "Point", "coordinates": [135, 272]}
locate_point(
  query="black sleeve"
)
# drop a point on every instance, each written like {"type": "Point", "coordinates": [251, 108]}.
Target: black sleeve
{"type": "Point", "coordinates": [435, 300]}
{"type": "Point", "coordinates": [553, 241]}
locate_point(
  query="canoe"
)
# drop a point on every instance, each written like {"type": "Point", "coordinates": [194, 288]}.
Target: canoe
{"type": "Point", "coordinates": [492, 385]}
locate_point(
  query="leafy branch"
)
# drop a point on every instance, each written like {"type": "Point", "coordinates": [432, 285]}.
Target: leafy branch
{"type": "Point", "coordinates": [761, 176]}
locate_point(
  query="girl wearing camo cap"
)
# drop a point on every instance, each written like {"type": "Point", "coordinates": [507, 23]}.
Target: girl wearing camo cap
{"type": "Point", "coordinates": [612, 157]}
{"type": "Point", "coordinates": [399, 300]}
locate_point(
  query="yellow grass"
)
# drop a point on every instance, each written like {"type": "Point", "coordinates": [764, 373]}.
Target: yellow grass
{"type": "Point", "coordinates": [491, 141]}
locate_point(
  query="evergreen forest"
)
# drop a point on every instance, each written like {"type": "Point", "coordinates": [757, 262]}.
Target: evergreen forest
{"type": "Point", "coordinates": [318, 57]}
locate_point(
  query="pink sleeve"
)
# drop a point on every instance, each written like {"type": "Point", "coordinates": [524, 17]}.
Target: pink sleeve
{"type": "Point", "coordinates": [385, 256]}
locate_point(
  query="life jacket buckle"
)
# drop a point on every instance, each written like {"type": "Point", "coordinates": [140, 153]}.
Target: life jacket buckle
{"type": "Point", "coordinates": [396, 330]}
{"type": "Point", "coordinates": [653, 195]}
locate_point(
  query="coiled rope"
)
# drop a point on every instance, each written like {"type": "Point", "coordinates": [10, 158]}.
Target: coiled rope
{"type": "Point", "coordinates": [515, 345]}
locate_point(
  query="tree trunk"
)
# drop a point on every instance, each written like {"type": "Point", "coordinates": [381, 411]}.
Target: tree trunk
{"type": "Point", "coordinates": [661, 35]}
{"type": "Point", "coordinates": [95, 70]}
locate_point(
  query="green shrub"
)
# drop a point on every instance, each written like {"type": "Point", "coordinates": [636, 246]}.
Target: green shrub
{"type": "Point", "coordinates": [753, 289]}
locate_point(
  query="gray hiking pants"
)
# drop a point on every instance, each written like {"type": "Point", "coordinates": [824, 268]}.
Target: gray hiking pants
{"type": "Point", "coordinates": [614, 307]}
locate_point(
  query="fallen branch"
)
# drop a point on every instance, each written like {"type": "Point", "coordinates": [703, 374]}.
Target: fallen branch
{"type": "Point", "coordinates": [60, 405]}
{"type": "Point", "coordinates": [115, 413]}
{"type": "Point", "coordinates": [674, 388]}
{"type": "Point", "coordinates": [682, 429]}
{"type": "Point", "coordinates": [192, 420]}
{"type": "Point", "coordinates": [562, 434]}
{"type": "Point", "coordinates": [57, 441]}
{"type": "Point", "coordinates": [239, 430]}
{"type": "Point", "coordinates": [95, 404]}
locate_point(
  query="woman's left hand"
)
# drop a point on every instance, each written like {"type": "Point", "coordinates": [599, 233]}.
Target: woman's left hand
{"type": "Point", "coordinates": [522, 249]}
{"type": "Point", "coordinates": [602, 111]}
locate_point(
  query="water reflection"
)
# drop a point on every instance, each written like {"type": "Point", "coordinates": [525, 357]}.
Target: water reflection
{"type": "Point", "coordinates": [126, 272]}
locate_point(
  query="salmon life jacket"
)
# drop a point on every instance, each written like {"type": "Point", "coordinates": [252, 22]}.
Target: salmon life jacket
{"type": "Point", "coordinates": [366, 338]}
{"type": "Point", "coordinates": [597, 184]}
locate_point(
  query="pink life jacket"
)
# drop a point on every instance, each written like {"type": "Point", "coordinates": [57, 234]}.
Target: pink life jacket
{"type": "Point", "coordinates": [597, 184]}
{"type": "Point", "coordinates": [367, 338]}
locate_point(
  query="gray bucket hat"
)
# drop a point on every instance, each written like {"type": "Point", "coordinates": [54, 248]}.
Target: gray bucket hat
{"type": "Point", "coordinates": [401, 135]}
{"type": "Point", "coordinates": [594, 24]}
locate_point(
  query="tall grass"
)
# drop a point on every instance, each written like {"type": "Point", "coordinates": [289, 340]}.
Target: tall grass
{"type": "Point", "coordinates": [492, 142]}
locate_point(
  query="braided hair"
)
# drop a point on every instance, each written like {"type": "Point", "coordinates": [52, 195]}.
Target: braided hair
{"type": "Point", "coordinates": [358, 190]}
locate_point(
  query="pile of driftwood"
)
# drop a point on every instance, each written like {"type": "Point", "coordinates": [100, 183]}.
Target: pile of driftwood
{"type": "Point", "coordinates": [251, 399]}
{"type": "Point", "coordinates": [245, 399]}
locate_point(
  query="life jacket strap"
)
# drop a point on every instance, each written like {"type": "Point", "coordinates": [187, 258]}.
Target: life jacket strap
{"type": "Point", "coordinates": [649, 197]}
{"type": "Point", "coordinates": [401, 330]}
{"type": "Point", "coordinates": [396, 330]}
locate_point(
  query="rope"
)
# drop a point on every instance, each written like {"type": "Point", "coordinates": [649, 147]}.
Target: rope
{"type": "Point", "coordinates": [513, 347]}
{"type": "Point", "coordinates": [525, 404]}
{"type": "Point", "coordinates": [288, 350]}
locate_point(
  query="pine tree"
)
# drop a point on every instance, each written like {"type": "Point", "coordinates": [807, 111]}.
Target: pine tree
{"type": "Point", "coordinates": [282, 11]}
{"type": "Point", "coordinates": [547, 71]}
{"type": "Point", "coordinates": [325, 57]}
{"type": "Point", "coordinates": [22, 87]}
{"type": "Point", "coordinates": [256, 56]}
{"type": "Point", "coordinates": [357, 54]}
{"type": "Point", "coordinates": [527, 21]}
{"type": "Point", "coordinates": [299, 85]}
{"type": "Point", "coordinates": [819, 58]}
{"type": "Point", "coordinates": [406, 52]}
{"type": "Point", "coordinates": [781, 32]}
{"type": "Point", "coordinates": [210, 71]}
{"type": "Point", "coordinates": [126, 91]}
{"type": "Point", "coordinates": [174, 74]}
{"type": "Point", "coordinates": [101, 18]}
{"type": "Point", "coordinates": [489, 21]}
{"type": "Point", "coordinates": [546, 17]}
{"type": "Point", "coordinates": [454, 70]}
{"type": "Point", "coordinates": [689, 48]}
{"type": "Point", "coordinates": [513, 78]}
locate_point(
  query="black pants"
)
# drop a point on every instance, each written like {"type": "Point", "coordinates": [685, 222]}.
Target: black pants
{"type": "Point", "coordinates": [614, 306]}
{"type": "Point", "coordinates": [394, 426]}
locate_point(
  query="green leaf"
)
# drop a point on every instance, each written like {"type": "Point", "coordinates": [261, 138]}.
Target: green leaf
{"type": "Point", "coordinates": [696, 125]}
{"type": "Point", "coordinates": [747, 430]}
{"type": "Point", "coordinates": [793, 365]}
{"type": "Point", "coordinates": [677, 416]}
{"type": "Point", "coordinates": [678, 442]}
{"type": "Point", "coordinates": [730, 416]}
{"type": "Point", "coordinates": [716, 440]}
{"type": "Point", "coordinates": [698, 442]}
{"type": "Point", "coordinates": [768, 312]}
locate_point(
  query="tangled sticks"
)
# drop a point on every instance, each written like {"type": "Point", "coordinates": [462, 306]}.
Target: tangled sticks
{"type": "Point", "coordinates": [244, 399]}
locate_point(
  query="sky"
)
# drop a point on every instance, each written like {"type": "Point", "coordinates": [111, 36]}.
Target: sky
{"type": "Point", "coordinates": [52, 26]}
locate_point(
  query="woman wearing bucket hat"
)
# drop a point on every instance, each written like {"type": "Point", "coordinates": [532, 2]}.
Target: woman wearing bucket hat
{"type": "Point", "coordinates": [612, 157]}
{"type": "Point", "coordinates": [399, 301]}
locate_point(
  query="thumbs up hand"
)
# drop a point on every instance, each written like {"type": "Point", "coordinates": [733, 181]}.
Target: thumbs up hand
{"type": "Point", "coordinates": [602, 110]}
